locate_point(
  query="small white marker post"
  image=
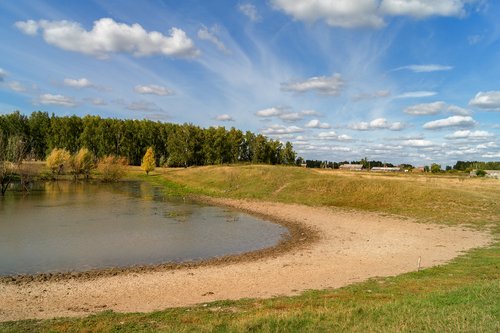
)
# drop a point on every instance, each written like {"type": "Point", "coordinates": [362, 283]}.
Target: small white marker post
{"type": "Point", "coordinates": [418, 263]}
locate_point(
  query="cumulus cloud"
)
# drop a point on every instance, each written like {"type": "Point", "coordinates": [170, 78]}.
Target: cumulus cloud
{"type": "Point", "coordinates": [291, 116]}
{"type": "Point", "coordinates": [60, 100]}
{"type": "Point", "coordinates": [270, 112]}
{"type": "Point", "coordinates": [153, 89]}
{"type": "Point", "coordinates": [416, 94]}
{"type": "Point", "coordinates": [427, 109]}
{"type": "Point", "coordinates": [250, 11]}
{"type": "Point", "coordinates": [108, 36]}
{"type": "Point", "coordinates": [310, 113]}
{"type": "Point", "coordinates": [488, 100]}
{"type": "Point", "coordinates": [29, 27]}
{"type": "Point", "coordinates": [423, 8]}
{"type": "Point", "coordinates": [224, 117]}
{"type": "Point", "coordinates": [211, 35]}
{"type": "Point", "coordinates": [466, 134]}
{"type": "Point", "coordinates": [453, 121]}
{"type": "Point", "coordinates": [331, 135]}
{"type": "Point", "coordinates": [417, 143]}
{"type": "Point", "coordinates": [367, 13]}
{"type": "Point", "coordinates": [78, 83]}
{"type": "Point", "coordinates": [315, 123]}
{"type": "Point", "coordinates": [16, 86]}
{"type": "Point", "coordinates": [280, 129]}
{"type": "Point", "coordinates": [339, 13]}
{"type": "Point", "coordinates": [379, 123]}
{"type": "Point", "coordinates": [325, 85]}
{"type": "Point", "coordinates": [426, 68]}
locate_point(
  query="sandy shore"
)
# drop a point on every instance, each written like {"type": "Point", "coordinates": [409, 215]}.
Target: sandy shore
{"type": "Point", "coordinates": [351, 247]}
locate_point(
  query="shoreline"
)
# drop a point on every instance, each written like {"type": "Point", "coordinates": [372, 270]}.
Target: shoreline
{"type": "Point", "coordinates": [298, 236]}
{"type": "Point", "coordinates": [348, 246]}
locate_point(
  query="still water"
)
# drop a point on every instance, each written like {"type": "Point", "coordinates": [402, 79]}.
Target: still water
{"type": "Point", "coordinates": [64, 226]}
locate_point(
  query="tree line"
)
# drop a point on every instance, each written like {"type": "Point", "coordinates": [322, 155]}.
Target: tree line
{"type": "Point", "coordinates": [174, 145]}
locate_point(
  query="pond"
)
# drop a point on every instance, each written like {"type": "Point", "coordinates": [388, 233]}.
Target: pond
{"type": "Point", "coordinates": [65, 226]}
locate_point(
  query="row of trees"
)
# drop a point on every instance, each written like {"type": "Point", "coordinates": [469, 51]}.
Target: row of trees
{"type": "Point", "coordinates": [476, 165]}
{"type": "Point", "coordinates": [173, 144]}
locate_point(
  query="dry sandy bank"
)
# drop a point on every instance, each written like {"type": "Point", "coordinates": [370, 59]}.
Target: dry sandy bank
{"type": "Point", "coordinates": [352, 246]}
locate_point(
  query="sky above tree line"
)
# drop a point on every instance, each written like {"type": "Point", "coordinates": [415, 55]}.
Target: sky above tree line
{"type": "Point", "coordinates": [413, 81]}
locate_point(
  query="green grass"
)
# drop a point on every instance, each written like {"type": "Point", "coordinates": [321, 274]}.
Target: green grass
{"type": "Point", "coordinates": [461, 296]}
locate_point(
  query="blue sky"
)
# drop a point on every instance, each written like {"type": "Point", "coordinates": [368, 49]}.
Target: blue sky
{"type": "Point", "coordinates": [412, 81]}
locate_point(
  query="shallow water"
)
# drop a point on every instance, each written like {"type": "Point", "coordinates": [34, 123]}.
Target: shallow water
{"type": "Point", "coordinates": [65, 226]}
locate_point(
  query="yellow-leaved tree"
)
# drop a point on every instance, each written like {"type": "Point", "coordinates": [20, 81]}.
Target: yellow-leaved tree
{"type": "Point", "coordinates": [58, 160]}
{"type": "Point", "coordinates": [148, 161]}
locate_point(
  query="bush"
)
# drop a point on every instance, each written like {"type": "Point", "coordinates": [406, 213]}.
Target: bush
{"type": "Point", "coordinates": [112, 168]}
{"type": "Point", "coordinates": [480, 173]}
{"type": "Point", "coordinates": [82, 163]}
{"type": "Point", "coordinates": [58, 160]}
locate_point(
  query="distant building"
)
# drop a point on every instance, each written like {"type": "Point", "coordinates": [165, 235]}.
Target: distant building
{"type": "Point", "coordinates": [385, 169]}
{"type": "Point", "coordinates": [418, 169]}
{"type": "Point", "coordinates": [493, 173]}
{"type": "Point", "coordinates": [352, 167]}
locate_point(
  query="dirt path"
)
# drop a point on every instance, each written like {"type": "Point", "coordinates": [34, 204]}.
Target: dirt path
{"type": "Point", "coordinates": [353, 246]}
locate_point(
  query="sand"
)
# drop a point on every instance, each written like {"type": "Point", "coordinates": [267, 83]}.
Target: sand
{"type": "Point", "coordinates": [352, 246]}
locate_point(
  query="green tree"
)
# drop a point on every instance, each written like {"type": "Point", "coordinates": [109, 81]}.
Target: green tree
{"type": "Point", "coordinates": [148, 161]}
{"type": "Point", "coordinates": [435, 168]}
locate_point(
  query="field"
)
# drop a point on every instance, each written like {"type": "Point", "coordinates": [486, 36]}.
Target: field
{"type": "Point", "coordinates": [459, 296]}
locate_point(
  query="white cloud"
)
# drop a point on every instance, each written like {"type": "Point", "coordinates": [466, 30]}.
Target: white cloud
{"type": "Point", "coordinates": [211, 36]}
{"type": "Point", "coordinates": [16, 86]}
{"type": "Point", "coordinates": [491, 155]}
{"type": "Point", "coordinates": [379, 123]}
{"type": "Point", "coordinates": [367, 13]}
{"type": "Point", "coordinates": [310, 113]}
{"type": "Point", "coordinates": [224, 117]}
{"type": "Point", "coordinates": [60, 100]}
{"type": "Point", "coordinates": [78, 83]}
{"type": "Point", "coordinates": [466, 134]}
{"type": "Point", "coordinates": [291, 116]}
{"type": "Point", "coordinates": [426, 109]}
{"type": "Point", "coordinates": [250, 11]}
{"type": "Point", "coordinates": [270, 112]}
{"type": "Point", "coordinates": [326, 85]}
{"type": "Point", "coordinates": [280, 129]}
{"type": "Point", "coordinates": [426, 68]}
{"type": "Point", "coordinates": [416, 94]}
{"type": "Point", "coordinates": [29, 27]}
{"type": "Point", "coordinates": [108, 36]}
{"type": "Point", "coordinates": [331, 135]}
{"type": "Point", "coordinates": [453, 121]}
{"type": "Point", "coordinates": [153, 89]}
{"type": "Point", "coordinates": [315, 123]}
{"type": "Point", "coordinates": [488, 100]}
{"type": "Point", "coordinates": [458, 110]}
{"type": "Point", "coordinates": [417, 143]}
{"type": "Point", "coordinates": [423, 8]}
{"type": "Point", "coordinates": [338, 13]}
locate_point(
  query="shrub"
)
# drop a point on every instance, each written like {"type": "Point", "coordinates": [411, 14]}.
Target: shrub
{"type": "Point", "coordinates": [58, 160]}
{"type": "Point", "coordinates": [82, 163]}
{"type": "Point", "coordinates": [112, 168]}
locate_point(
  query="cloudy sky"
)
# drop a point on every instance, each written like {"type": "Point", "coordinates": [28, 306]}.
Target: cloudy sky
{"type": "Point", "coordinates": [413, 81]}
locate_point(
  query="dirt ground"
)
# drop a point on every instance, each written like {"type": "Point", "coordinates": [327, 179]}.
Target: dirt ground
{"type": "Point", "coordinates": [352, 246]}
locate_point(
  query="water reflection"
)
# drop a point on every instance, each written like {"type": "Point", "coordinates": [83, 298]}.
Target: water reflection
{"type": "Point", "coordinates": [65, 226]}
